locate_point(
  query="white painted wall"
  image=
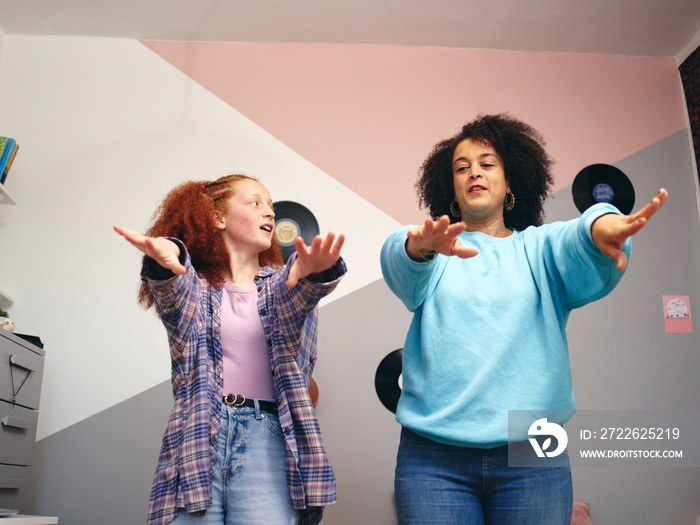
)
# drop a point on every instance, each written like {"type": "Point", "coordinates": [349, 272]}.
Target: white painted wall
{"type": "Point", "coordinates": [106, 128]}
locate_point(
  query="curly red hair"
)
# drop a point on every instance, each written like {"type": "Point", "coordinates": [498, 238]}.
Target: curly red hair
{"type": "Point", "coordinates": [187, 213]}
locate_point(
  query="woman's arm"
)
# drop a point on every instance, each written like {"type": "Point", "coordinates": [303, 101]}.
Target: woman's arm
{"type": "Point", "coordinates": [611, 231]}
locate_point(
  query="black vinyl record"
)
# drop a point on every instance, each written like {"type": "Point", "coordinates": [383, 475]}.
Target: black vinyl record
{"type": "Point", "coordinates": [387, 379]}
{"type": "Point", "coordinates": [603, 183]}
{"type": "Point", "coordinates": [293, 220]}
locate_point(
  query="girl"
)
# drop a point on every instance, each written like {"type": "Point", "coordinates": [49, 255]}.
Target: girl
{"type": "Point", "coordinates": [243, 445]}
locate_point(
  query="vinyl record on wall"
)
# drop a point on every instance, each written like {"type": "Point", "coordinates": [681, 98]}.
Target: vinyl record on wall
{"type": "Point", "coordinates": [603, 183]}
{"type": "Point", "coordinates": [387, 379]}
{"type": "Point", "coordinates": [293, 220]}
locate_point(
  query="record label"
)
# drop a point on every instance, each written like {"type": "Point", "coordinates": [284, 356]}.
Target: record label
{"type": "Point", "coordinates": [293, 220]}
{"type": "Point", "coordinates": [286, 231]}
{"type": "Point", "coordinates": [603, 183]}
{"type": "Point", "coordinates": [388, 379]}
{"type": "Point", "coordinates": [603, 193]}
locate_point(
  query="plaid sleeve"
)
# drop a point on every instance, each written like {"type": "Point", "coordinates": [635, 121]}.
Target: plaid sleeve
{"type": "Point", "coordinates": [176, 300]}
{"type": "Point", "coordinates": [295, 307]}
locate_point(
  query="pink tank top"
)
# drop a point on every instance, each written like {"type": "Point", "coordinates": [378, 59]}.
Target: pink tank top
{"type": "Point", "coordinates": [245, 354]}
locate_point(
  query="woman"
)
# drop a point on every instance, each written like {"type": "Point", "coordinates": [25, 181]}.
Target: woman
{"type": "Point", "coordinates": [492, 289]}
{"type": "Point", "coordinates": [242, 445]}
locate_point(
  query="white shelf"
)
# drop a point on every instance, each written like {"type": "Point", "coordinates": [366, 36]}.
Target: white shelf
{"type": "Point", "coordinates": [5, 197]}
{"type": "Point", "coordinates": [20, 519]}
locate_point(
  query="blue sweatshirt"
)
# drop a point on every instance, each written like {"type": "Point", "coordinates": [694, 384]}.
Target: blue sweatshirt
{"type": "Point", "coordinates": [488, 332]}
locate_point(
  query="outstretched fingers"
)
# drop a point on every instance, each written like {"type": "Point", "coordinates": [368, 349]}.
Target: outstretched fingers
{"type": "Point", "coordinates": [321, 254]}
{"type": "Point", "coordinates": [322, 247]}
{"type": "Point", "coordinates": [638, 220]}
{"type": "Point", "coordinates": [650, 209]}
{"type": "Point", "coordinates": [130, 235]}
{"type": "Point", "coordinates": [138, 240]}
{"type": "Point", "coordinates": [462, 251]}
{"type": "Point", "coordinates": [334, 248]}
{"type": "Point", "coordinates": [647, 212]}
{"type": "Point", "coordinates": [439, 236]}
{"type": "Point", "coordinates": [163, 251]}
{"type": "Point", "coordinates": [610, 231]}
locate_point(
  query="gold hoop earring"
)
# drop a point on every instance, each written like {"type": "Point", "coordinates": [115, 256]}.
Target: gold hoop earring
{"type": "Point", "coordinates": [454, 210]}
{"type": "Point", "coordinates": [509, 205]}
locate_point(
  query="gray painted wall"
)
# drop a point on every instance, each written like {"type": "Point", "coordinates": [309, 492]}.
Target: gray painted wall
{"type": "Point", "coordinates": [105, 462]}
{"type": "Point", "coordinates": [621, 359]}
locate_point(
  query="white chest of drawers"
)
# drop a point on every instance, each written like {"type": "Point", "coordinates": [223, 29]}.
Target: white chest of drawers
{"type": "Point", "coordinates": [21, 372]}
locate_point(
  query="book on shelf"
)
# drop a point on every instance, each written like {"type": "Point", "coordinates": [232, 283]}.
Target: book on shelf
{"type": "Point", "coordinates": [3, 143]}
{"type": "Point", "coordinates": [7, 158]}
{"type": "Point", "coordinates": [9, 164]}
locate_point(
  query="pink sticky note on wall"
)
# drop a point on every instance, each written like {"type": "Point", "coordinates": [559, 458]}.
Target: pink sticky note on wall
{"type": "Point", "coordinates": [677, 316]}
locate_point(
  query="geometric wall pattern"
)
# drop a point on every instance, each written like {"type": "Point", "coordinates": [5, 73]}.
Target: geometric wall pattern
{"type": "Point", "coordinates": [315, 98]}
{"type": "Point", "coordinates": [107, 126]}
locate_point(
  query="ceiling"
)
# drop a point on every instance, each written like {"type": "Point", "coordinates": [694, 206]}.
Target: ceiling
{"type": "Point", "coordinates": [649, 28]}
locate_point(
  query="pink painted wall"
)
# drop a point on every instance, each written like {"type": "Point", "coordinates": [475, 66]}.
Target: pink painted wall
{"type": "Point", "coordinates": [369, 115]}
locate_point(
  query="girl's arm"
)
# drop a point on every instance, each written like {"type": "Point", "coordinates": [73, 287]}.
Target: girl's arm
{"type": "Point", "coordinates": [164, 251]}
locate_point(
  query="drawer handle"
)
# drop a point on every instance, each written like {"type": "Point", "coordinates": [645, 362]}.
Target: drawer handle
{"type": "Point", "coordinates": [9, 421]}
{"type": "Point", "coordinates": [21, 362]}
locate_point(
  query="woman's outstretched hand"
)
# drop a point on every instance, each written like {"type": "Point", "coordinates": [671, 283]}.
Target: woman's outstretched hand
{"type": "Point", "coordinates": [165, 252]}
{"type": "Point", "coordinates": [611, 231]}
{"type": "Point", "coordinates": [439, 236]}
{"type": "Point", "coordinates": [320, 255]}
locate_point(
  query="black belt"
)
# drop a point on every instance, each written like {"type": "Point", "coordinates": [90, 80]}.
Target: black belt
{"type": "Point", "coordinates": [239, 400]}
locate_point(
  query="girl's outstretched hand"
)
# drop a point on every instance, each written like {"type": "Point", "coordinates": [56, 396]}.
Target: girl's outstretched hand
{"type": "Point", "coordinates": [165, 252]}
{"type": "Point", "coordinates": [439, 236]}
{"type": "Point", "coordinates": [319, 256]}
{"type": "Point", "coordinates": [611, 231]}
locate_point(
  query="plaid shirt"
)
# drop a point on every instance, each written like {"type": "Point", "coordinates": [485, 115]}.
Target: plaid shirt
{"type": "Point", "coordinates": [190, 309]}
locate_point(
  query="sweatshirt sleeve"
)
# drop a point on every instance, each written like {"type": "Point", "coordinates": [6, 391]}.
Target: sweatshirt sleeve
{"type": "Point", "coordinates": [579, 269]}
{"type": "Point", "coordinates": [409, 280]}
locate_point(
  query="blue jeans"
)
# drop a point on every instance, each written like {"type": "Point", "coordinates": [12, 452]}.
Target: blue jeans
{"type": "Point", "coordinates": [250, 483]}
{"type": "Point", "coordinates": [438, 484]}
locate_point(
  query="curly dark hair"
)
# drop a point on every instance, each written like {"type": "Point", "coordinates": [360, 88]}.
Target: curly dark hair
{"type": "Point", "coordinates": [526, 165]}
{"type": "Point", "coordinates": [187, 213]}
